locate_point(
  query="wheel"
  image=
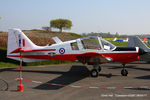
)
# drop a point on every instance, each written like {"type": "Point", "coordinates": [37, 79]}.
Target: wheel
{"type": "Point", "coordinates": [99, 69]}
{"type": "Point", "coordinates": [124, 72]}
{"type": "Point", "coordinates": [94, 73]}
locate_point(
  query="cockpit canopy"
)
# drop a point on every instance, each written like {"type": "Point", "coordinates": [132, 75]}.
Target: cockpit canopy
{"type": "Point", "coordinates": [98, 43]}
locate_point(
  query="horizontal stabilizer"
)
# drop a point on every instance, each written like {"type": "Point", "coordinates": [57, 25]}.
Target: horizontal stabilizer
{"type": "Point", "coordinates": [29, 50]}
{"type": "Point", "coordinates": [57, 40]}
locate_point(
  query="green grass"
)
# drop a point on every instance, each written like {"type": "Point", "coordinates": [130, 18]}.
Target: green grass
{"type": "Point", "coordinates": [111, 39]}
{"type": "Point", "coordinates": [76, 35]}
{"type": "Point", "coordinates": [47, 62]}
{"type": "Point", "coordinates": [147, 45]}
{"type": "Point", "coordinates": [116, 43]}
{"type": "Point", "coordinates": [36, 30]}
{"type": "Point", "coordinates": [7, 64]}
{"type": "Point", "coordinates": [4, 61]}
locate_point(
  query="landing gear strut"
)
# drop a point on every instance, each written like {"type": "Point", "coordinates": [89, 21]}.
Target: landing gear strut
{"type": "Point", "coordinates": [99, 69]}
{"type": "Point", "coordinates": [124, 72]}
{"type": "Point", "coordinates": [95, 71]}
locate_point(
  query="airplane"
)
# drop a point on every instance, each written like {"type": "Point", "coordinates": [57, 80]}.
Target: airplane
{"type": "Point", "coordinates": [148, 40]}
{"type": "Point", "coordinates": [135, 41]}
{"type": "Point", "coordinates": [144, 39]}
{"type": "Point", "coordinates": [88, 50]}
{"type": "Point", "coordinates": [115, 39]}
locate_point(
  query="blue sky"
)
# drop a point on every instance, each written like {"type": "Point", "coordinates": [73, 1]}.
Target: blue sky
{"type": "Point", "coordinates": [122, 16]}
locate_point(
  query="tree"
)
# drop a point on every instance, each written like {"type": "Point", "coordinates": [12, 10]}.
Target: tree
{"type": "Point", "coordinates": [61, 24]}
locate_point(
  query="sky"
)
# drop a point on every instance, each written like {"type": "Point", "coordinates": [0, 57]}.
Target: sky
{"type": "Point", "coordinates": [122, 16]}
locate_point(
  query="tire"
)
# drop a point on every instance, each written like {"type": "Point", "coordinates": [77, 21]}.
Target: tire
{"type": "Point", "coordinates": [94, 73]}
{"type": "Point", "coordinates": [124, 72]}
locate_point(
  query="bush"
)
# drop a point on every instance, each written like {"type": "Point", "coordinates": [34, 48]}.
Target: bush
{"type": "Point", "coordinates": [35, 30]}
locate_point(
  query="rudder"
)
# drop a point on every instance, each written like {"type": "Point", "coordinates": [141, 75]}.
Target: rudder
{"type": "Point", "coordinates": [17, 39]}
{"type": "Point", "coordinates": [135, 41]}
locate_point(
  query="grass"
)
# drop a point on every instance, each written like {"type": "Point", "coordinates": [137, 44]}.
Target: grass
{"type": "Point", "coordinates": [48, 63]}
{"type": "Point", "coordinates": [76, 35]}
{"type": "Point", "coordinates": [116, 43]}
{"type": "Point", "coordinates": [147, 45]}
{"type": "Point", "coordinates": [4, 64]}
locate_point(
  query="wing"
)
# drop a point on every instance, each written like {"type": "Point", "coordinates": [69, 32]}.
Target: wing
{"type": "Point", "coordinates": [93, 57]}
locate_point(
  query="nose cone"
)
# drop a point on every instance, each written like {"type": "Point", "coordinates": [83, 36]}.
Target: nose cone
{"type": "Point", "coordinates": [141, 51]}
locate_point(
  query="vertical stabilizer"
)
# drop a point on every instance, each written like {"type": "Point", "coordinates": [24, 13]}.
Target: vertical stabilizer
{"type": "Point", "coordinates": [135, 41]}
{"type": "Point", "coordinates": [57, 40]}
{"type": "Point", "coordinates": [114, 39]}
{"type": "Point", "coordinates": [18, 40]}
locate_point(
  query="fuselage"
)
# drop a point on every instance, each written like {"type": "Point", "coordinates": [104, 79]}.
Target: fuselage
{"type": "Point", "coordinates": [64, 51]}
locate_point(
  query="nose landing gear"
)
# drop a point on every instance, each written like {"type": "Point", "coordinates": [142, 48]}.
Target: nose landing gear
{"type": "Point", "coordinates": [95, 71]}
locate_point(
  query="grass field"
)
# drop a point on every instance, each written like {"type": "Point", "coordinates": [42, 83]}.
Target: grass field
{"type": "Point", "coordinates": [119, 43]}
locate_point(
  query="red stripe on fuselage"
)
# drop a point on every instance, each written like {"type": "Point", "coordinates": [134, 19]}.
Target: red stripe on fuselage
{"type": "Point", "coordinates": [117, 57]}
{"type": "Point", "coordinates": [29, 50]}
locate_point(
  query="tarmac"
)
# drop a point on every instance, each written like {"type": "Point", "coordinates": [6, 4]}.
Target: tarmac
{"type": "Point", "coordinates": [72, 82]}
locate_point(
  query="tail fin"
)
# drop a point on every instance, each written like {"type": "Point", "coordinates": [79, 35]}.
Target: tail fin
{"type": "Point", "coordinates": [135, 41]}
{"type": "Point", "coordinates": [144, 39]}
{"type": "Point", "coordinates": [114, 39]}
{"type": "Point", "coordinates": [17, 39]}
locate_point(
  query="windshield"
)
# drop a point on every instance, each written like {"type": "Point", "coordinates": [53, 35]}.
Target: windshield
{"type": "Point", "coordinates": [96, 43]}
{"type": "Point", "coordinates": [90, 43]}
{"type": "Point", "coordinates": [107, 45]}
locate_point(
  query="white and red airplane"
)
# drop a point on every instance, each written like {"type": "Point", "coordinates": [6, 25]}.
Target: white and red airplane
{"type": "Point", "coordinates": [89, 50]}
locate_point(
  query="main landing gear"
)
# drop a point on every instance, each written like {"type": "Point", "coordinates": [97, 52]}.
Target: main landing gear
{"type": "Point", "coordinates": [95, 71]}
{"type": "Point", "coordinates": [124, 72]}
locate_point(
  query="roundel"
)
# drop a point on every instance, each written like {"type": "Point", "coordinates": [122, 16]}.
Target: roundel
{"type": "Point", "coordinates": [61, 50]}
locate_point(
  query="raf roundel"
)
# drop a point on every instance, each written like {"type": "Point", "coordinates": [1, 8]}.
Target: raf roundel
{"type": "Point", "coordinates": [61, 50]}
